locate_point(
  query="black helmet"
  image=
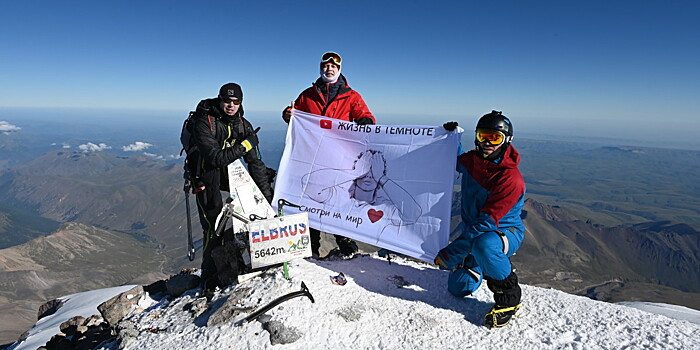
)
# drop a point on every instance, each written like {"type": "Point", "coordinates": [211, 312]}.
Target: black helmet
{"type": "Point", "coordinates": [496, 121]}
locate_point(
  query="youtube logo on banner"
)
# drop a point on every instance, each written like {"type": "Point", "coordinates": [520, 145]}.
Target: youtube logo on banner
{"type": "Point", "coordinates": [326, 124]}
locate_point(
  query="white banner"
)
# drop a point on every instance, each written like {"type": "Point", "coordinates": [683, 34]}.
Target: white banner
{"type": "Point", "coordinates": [386, 185]}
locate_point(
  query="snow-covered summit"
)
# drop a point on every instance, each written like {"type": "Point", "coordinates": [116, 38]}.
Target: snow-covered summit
{"type": "Point", "coordinates": [403, 305]}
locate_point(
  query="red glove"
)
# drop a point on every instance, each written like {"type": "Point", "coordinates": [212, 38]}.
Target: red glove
{"type": "Point", "coordinates": [442, 260]}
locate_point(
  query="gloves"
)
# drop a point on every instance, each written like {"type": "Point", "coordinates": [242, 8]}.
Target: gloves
{"type": "Point", "coordinates": [440, 263]}
{"type": "Point", "coordinates": [450, 126]}
{"type": "Point", "coordinates": [364, 121]}
{"type": "Point", "coordinates": [443, 261]}
{"type": "Point", "coordinates": [287, 114]}
{"type": "Point", "coordinates": [271, 173]}
{"type": "Point", "coordinates": [251, 142]}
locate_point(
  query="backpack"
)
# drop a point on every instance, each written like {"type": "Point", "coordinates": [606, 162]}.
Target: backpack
{"type": "Point", "coordinates": [192, 171]}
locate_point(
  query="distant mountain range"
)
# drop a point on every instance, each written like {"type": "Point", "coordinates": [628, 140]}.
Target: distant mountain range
{"type": "Point", "coordinates": [135, 195]}
{"type": "Point", "coordinates": [77, 257]}
{"type": "Point", "coordinates": [647, 262]}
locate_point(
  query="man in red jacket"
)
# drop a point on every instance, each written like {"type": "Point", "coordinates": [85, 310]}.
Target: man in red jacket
{"type": "Point", "coordinates": [330, 96]}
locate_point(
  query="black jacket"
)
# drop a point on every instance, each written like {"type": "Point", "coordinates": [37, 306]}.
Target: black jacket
{"type": "Point", "coordinates": [213, 130]}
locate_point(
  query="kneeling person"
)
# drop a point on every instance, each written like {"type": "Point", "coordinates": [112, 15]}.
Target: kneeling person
{"type": "Point", "coordinates": [493, 192]}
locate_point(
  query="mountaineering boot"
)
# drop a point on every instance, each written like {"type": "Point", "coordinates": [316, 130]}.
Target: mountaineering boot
{"type": "Point", "coordinates": [506, 294]}
{"type": "Point", "coordinates": [348, 248]}
{"type": "Point", "coordinates": [499, 316]}
{"type": "Point", "coordinates": [333, 255]}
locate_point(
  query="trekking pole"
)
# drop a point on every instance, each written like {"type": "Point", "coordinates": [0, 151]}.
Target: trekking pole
{"type": "Point", "coordinates": [190, 243]}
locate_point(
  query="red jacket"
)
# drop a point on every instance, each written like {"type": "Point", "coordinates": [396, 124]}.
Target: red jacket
{"type": "Point", "coordinates": [347, 105]}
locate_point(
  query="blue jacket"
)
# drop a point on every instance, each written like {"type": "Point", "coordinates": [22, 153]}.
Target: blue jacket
{"type": "Point", "coordinates": [493, 195]}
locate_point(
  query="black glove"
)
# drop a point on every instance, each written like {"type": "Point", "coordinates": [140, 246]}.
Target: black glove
{"type": "Point", "coordinates": [450, 126]}
{"type": "Point", "coordinates": [364, 121]}
{"type": "Point", "coordinates": [287, 114]}
{"type": "Point", "coordinates": [252, 141]}
{"type": "Point", "coordinates": [271, 173]}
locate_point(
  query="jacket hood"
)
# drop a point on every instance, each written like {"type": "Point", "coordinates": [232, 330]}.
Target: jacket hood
{"type": "Point", "coordinates": [511, 159]}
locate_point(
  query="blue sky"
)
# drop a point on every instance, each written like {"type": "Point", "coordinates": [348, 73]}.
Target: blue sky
{"type": "Point", "coordinates": [555, 66]}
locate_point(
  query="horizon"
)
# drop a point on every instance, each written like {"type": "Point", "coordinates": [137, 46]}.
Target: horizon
{"type": "Point", "coordinates": [153, 123]}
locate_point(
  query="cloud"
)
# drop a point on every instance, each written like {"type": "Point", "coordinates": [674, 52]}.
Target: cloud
{"type": "Point", "coordinates": [153, 155]}
{"type": "Point", "coordinates": [137, 146]}
{"type": "Point", "coordinates": [63, 145]}
{"type": "Point", "coordinates": [91, 147]}
{"type": "Point", "coordinates": [6, 127]}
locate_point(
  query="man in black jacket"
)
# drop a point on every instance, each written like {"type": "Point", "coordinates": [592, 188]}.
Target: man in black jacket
{"type": "Point", "coordinates": [222, 136]}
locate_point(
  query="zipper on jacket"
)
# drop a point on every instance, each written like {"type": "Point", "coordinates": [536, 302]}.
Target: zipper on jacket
{"type": "Point", "coordinates": [226, 140]}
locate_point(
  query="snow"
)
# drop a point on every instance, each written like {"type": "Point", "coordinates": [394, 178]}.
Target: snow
{"type": "Point", "coordinates": [405, 305]}
{"type": "Point", "coordinates": [673, 311]}
{"type": "Point", "coordinates": [79, 304]}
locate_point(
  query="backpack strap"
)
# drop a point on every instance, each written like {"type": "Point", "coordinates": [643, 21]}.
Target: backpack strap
{"type": "Point", "coordinates": [241, 128]}
{"type": "Point", "coordinates": [212, 124]}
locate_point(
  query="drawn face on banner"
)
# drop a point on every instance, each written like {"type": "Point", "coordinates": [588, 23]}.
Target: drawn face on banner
{"type": "Point", "coordinates": [373, 164]}
{"type": "Point", "coordinates": [366, 182]}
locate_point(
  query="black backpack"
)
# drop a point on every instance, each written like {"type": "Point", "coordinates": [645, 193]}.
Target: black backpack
{"type": "Point", "coordinates": [192, 170]}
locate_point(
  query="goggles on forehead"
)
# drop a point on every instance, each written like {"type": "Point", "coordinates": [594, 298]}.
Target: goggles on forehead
{"type": "Point", "coordinates": [331, 57]}
{"type": "Point", "coordinates": [228, 100]}
{"type": "Point", "coordinates": [491, 136]}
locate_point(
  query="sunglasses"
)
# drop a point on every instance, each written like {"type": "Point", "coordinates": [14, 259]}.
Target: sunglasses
{"type": "Point", "coordinates": [331, 57]}
{"type": "Point", "coordinates": [228, 100]}
{"type": "Point", "coordinates": [491, 136]}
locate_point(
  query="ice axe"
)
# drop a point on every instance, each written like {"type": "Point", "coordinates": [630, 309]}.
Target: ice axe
{"type": "Point", "coordinates": [303, 292]}
{"type": "Point", "coordinates": [226, 212]}
{"type": "Point", "coordinates": [281, 203]}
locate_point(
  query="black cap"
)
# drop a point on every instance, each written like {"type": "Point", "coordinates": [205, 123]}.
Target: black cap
{"type": "Point", "coordinates": [231, 90]}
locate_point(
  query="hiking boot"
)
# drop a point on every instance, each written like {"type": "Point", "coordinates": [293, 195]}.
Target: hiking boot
{"type": "Point", "coordinates": [336, 254]}
{"type": "Point", "coordinates": [348, 248]}
{"type": "Point", "coordinates": [499, 316]}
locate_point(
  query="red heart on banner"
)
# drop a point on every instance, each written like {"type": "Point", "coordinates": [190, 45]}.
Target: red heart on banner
{"type": "Point", "coordinates": [374, 215]}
